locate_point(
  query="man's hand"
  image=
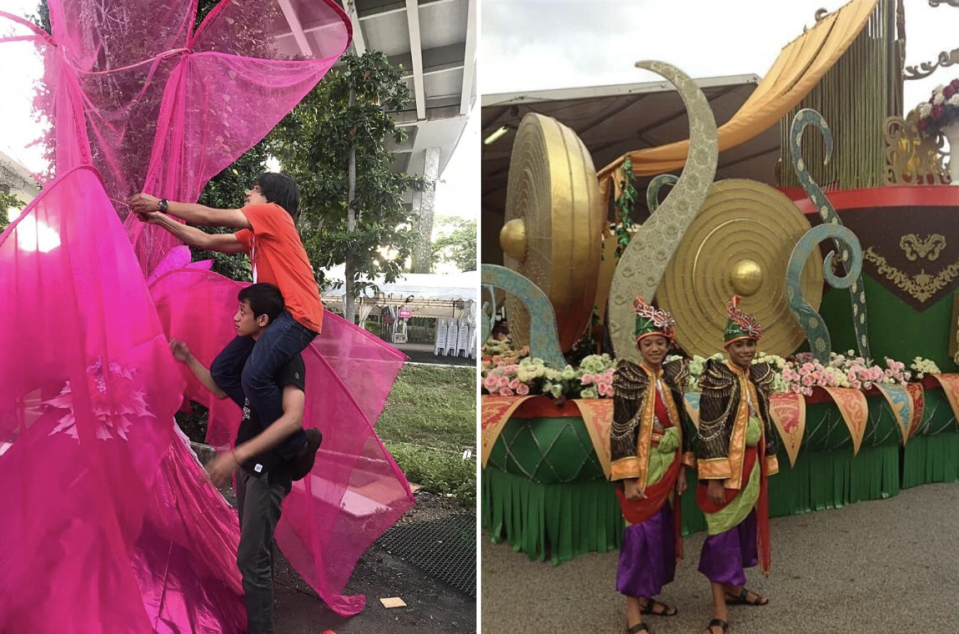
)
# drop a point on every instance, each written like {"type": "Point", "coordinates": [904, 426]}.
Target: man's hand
{"type": "Point", "coordinates": [681, 481]}
{"type": "Point", "coordinates": [632, 491]}
{"type": "Point", "coordinates": [221, 468]}
{"type": "Point", "coordinates": [144, 203]}
{"type": "Point", "coordinates": [181, 351]}
{"type": "Point", "coordinates": [150, 217]}
{"type": "Point", "coordinates": [716, 492]}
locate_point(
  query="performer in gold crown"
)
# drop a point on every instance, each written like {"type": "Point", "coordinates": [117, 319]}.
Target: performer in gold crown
{"type": "Point", "coordinates": [735, 453]}
{"type": "Point", "coordinates": [649, 447]}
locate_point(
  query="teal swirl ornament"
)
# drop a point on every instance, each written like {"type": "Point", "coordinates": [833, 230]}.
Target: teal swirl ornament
{"type": "Point", "coordinates": [857, 291]}
{"type": "Point", "coordinates": [543, 335]}
{"type": "Point", "coordinates": [652, 192]}
{"type": "Point", "coordinates": [488, 312]}
{"type": "Point", "coordinates": [811, 321]}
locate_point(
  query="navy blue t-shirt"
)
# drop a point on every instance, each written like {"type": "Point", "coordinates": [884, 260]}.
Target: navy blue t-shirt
{"type": "Point", "coordinates": [292, 374]}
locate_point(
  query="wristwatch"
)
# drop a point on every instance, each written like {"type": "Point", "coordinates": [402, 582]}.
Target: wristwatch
{"type": "Point", "coordinates": [163, 204]}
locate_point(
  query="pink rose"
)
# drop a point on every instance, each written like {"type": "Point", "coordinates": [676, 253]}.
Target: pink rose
{"type": "Point", "coordinates": [857, 385]}
{"type": "Point", "coordinates": [514, 384]}
{"type": "Point", "coordinates": [505, 392]}
{"type": "Point", "coordinates": [808, 380]}
{"type": "Point", "coordinates": [523, 389]}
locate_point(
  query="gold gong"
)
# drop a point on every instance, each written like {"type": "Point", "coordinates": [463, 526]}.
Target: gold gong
{"type": "Point", "coordinates": [554, 224]}
{"type": "Point", "coordinates": [739, 243]}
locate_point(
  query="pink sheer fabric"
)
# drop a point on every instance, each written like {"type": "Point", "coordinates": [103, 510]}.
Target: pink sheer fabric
{"type": "Point", "coordinates": [355, 491]}
{"type": "Point", "coordinates": [155, 107]}
{"type": "Point", "coordinates": [89, 391]}
{"type": "Point", "coordinates": [109, 525]}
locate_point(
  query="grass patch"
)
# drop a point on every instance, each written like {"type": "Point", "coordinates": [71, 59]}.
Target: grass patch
{"type": "Point", "coordinates": [428, 421]}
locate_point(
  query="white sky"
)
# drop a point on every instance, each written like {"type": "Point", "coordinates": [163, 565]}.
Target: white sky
{"type": "Point", "coordinates": [543, 44]}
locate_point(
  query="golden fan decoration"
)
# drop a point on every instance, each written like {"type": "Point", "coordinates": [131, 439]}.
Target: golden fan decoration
{"type": "Point", "coordinates": [554, 224]}
{"type": "Point", "coordinates": [739, 243]}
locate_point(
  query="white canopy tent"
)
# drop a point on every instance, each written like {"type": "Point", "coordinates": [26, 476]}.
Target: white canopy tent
{"type": "Point", "coordinates": [427, 295]}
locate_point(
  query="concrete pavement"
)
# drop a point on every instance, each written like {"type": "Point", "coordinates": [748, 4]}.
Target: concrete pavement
{"type": "Point", "coordinates": [885, 566]}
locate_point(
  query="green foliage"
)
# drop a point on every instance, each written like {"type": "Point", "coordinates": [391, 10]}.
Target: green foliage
{"type": "Point", "coordinates": [313, 146]}
{"type": "Point", "coordinates": [7, 200]}
{"type": "Point", "coordinates": [459, 245]}
{"type": "Point", "coordinates": [226, 191]}
{"type": "Point", "coordinates": [625, 205]}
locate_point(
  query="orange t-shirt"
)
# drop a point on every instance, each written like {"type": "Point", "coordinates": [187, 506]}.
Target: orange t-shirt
{"type": "Point", "coordinates": [278, 258]}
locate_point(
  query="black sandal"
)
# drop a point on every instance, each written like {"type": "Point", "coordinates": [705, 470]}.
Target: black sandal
{"type": "Point", "coordinates": [717, 623]}
{"type": "Point", "coordinates": [743, 598]}
{"type": "Point", "coordinates": [664, 610]}
{"type": "Point", "coordinates": [636, 629]}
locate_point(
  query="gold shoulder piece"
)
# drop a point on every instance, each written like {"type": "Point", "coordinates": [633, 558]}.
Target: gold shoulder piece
{"type": "Point", "coordinates": [763, 375]}
{"type": "Point", "coordinates": [629, 381]}
{"type": "Point", "coordinates": [716, 377]}
{"type": "Point", "coordinates": [677, 374]}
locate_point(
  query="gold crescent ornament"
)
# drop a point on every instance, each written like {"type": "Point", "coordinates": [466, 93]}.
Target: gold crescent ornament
{"type": "Point", "coordinates": [554, 224]}
{"type": "Point", "coordinates": [740, 244]}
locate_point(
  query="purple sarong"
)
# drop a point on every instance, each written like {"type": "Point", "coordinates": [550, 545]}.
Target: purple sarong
{"type": "Point", "coordinates": [725, 555]}
{"type": "Point", "coordinates": [647, 559]}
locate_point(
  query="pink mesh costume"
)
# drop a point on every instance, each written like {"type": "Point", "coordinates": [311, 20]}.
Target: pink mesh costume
{"type": "Point", "coordinates": [108, 524]}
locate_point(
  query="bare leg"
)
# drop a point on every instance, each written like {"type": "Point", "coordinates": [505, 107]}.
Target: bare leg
{"type": "Point", "coordinates": [719, 607]}
{"type": "Point", "coordinates": [633, 615]}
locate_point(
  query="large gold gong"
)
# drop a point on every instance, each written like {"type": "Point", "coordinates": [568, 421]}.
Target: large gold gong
{"type": "Point", "coordinates": [554, 224]}
{"type": "Point", "coordinates": [739, 243]}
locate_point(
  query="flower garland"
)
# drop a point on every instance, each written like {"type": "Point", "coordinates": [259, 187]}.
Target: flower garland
{"type": "Point", "coordinates": [508, 372]}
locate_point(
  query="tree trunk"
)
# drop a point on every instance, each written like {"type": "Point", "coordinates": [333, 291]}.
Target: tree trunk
{"type": "Point", "coordinates": [349, 302]}
{"type": "Point", "coordinates": [423, 207]}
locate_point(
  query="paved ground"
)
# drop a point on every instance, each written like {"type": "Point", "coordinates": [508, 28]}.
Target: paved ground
{"type": "Point", "coordinates": [432, 607]}
{"type": "Point", "coordinates": [885, 566]}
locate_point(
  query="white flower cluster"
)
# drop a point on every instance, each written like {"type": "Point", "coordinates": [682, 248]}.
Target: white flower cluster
{"type": "Point", "coordinates": [922, 367]}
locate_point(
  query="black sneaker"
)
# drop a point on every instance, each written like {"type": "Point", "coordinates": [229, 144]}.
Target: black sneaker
{"type": "Point", "coordinates": [301, 466]}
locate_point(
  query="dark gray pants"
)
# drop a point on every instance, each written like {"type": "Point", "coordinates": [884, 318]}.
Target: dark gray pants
{"type": "Point", "coordinates": [258, 502]}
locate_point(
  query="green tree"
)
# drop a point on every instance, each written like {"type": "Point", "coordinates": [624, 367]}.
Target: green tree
{"type": "Point", "coordinates": [334, 146]}
{"type": "Point", "coordinates": [458, 245]}
{"type": "Point", "coordinates": [7, 201]}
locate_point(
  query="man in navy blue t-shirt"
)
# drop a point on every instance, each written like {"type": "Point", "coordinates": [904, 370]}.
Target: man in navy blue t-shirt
{"type": "Point", "coordinates": [265, 477]}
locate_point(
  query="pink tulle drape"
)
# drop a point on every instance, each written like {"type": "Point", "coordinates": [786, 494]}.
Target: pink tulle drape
{"type": "Point", "coordinates": [108, 524]}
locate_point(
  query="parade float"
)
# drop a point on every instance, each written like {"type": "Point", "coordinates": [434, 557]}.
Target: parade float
{"type": "Point", "coordinates": [852, 262]}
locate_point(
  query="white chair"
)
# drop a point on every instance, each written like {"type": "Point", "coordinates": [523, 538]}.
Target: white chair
{"type": "Point", "coordinates": [452, 333]}
{"type": "Point", "coordinates": [463, 340]}
{"type": "Point", "coordinates": [440, 344]}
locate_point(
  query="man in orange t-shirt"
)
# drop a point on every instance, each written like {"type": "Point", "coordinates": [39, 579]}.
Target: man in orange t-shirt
{"type": "Point", "coordinates": [267, 224]}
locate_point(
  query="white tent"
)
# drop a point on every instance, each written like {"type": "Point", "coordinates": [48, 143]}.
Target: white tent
{"type": "Point", "coordinates": [454, 286]}
{"type": "Point", "coordinates": [427, 295]}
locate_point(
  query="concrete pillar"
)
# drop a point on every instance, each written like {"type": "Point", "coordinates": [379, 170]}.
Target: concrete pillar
{"type": "Point", "coordinates": [423, 208]}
